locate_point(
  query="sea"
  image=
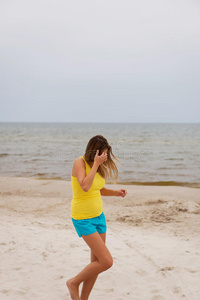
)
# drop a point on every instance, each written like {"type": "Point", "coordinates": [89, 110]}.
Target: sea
{"type": "Point", "coordinates": [148, 153]}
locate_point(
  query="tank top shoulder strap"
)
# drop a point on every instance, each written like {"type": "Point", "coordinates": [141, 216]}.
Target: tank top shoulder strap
{"type": "Point", "coordinates": [85, 161]}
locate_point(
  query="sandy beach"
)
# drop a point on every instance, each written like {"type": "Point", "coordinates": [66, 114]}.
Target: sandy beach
{"type": "Point", "coordinates": [153, 235]}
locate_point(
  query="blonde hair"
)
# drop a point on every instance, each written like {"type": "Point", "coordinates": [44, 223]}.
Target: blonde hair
{"type": "Point", "coordinates": [107, 169]}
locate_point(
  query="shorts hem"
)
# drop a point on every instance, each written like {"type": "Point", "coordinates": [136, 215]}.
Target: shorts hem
{"type": "Point", "coordinates": [88, 233]}
{"type": "Point", "coordinates": [102, 232]}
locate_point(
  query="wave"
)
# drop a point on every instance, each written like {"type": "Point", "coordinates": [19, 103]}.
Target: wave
{"type": "Point", "coordinates": [49, 178]}
{"type": "Point", "coordinates": [3, 154]}
{"type": "Point", "coordinates": [171, 158]}
{"type": "Point", "coordinates": [163, 183]}
{"type": "Point", "coordinates": [6, 154]}
{"type": "Point", "coordinates": [151, 183]}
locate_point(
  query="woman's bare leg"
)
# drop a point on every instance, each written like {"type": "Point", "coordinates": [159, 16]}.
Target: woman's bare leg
{"type": "Point", "coordinates": [89, 283]}
{"type": "Point", "coordinates": [104, 261]}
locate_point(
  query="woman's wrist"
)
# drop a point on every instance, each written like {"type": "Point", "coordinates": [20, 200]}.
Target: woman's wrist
{"type": "Point", "coordinates": [95, 165]}
{"type": "Point", "coordinates": [114, 192]}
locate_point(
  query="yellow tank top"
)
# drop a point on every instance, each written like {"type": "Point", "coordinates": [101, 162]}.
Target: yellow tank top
{"type": "Point", "coordinates": [86, 205]}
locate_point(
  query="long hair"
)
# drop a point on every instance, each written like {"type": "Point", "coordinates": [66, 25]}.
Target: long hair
{"type": "Point", "coordinates": [108, 168]}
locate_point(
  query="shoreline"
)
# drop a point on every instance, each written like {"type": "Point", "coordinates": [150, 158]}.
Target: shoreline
{"type": "Point", "coordinates": [195, 185]}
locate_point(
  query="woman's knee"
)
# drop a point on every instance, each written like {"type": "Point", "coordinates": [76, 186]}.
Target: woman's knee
{"type": "Point", "coordinates": [107, 262]}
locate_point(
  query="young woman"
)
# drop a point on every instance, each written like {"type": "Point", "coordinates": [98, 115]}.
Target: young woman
{"type": "Point", "coordinates": [88, 180]}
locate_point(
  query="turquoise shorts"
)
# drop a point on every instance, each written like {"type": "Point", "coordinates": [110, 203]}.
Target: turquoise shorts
{"type": "Point", "coordinates": [89, 226]}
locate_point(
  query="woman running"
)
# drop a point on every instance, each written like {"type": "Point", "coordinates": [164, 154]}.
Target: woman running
{"type": "Point", "coordinates": [88, 180]}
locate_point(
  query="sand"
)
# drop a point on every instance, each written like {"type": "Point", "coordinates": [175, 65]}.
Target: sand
{"type": "Point", "coordinates": [153, 235]}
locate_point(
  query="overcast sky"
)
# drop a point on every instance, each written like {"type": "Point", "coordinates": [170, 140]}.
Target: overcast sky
{"type": "Point", "coordinates": [100, 61]}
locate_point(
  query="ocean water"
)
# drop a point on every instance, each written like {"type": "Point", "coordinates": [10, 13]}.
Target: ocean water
{"type": "Point", "coordinates": [154, 153]}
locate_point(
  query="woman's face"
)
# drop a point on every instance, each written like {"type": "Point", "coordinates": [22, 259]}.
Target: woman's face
{"type": "Point", "coordinates": [105, 150]}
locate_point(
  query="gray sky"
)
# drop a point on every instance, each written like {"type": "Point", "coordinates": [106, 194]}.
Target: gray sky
{"type": "Point", "coordinates": [100, 61]}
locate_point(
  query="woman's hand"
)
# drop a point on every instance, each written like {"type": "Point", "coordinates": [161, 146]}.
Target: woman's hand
{"type": "Point", "coordinates": [99, 159]}
{"type": "Point", "coordinates": [121, 193]}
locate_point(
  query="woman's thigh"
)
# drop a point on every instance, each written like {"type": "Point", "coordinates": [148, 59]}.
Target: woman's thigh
{"type": "Point", "coordinates": [98, 247]}
{"type": "Point", "coordinates": [103, 236]}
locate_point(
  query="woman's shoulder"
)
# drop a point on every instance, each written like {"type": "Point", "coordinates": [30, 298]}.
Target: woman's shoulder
{"type": "Point", "coordinates": [79, 158]}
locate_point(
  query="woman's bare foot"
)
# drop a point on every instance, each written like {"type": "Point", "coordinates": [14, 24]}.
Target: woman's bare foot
{"type": "Point", "coordinates": [73, 290]}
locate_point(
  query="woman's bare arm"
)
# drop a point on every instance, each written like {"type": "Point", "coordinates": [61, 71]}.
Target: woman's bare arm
{"type": "Point", "coordinates": [84, 181]}
{"type": "Point", "coordinates": [107, 192]}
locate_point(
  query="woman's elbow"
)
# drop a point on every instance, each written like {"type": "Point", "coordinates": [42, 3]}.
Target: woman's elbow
{"type": "Point", "coordinates": [84, 188]}
{"type": "Point", "coordinates": [83, 185]}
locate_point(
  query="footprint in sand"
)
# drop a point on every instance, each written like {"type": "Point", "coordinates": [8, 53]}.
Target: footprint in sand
{"type": "Point", "coordinates": [60, 277]}
{"type": "Point", "coordinates": [155, 291]}
{"type": "Point", "coordinates": [190, 270]}
{"type": "Point", "coordinates": [17, 269]}
{"type": "Point", "coordinates": [44, 254]}
{"type": "Point", "coordinates": [109, 290]}
{"type": "Point", "coordinates": [73, 245]}
{"type": "Point", "coordinates": [177, 290]}
{"type": "Point", "coordinates": [158, 297]}
{"type": "Point", "coordinates": [141, 272]}
{"type": "Point", "coordinates": [5, 291]}
{"type": "Point", "coordinates": [167, 269]}
{"type": "Point", "coordinates": [12, 242]}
